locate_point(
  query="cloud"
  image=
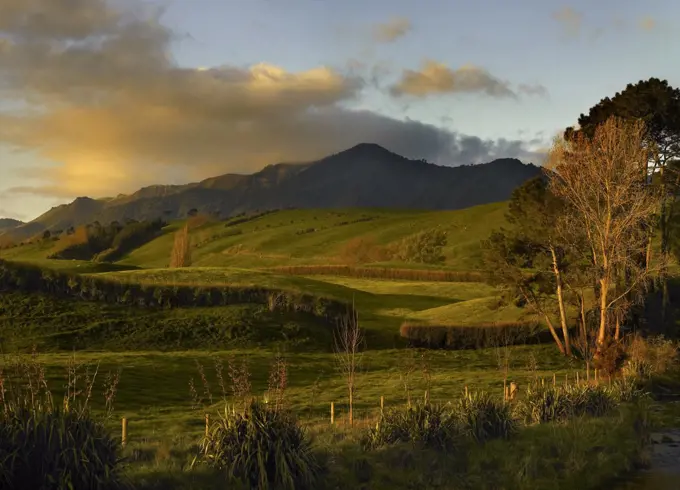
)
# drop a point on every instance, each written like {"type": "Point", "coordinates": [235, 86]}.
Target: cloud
{"type": "Point", "coordinates": [97, 96]}
{"type": "Point", "coordinates": [571, 21]}
{"type": "Point", "coordinates": [437, 78]}
{"type": "Point", "coordinates": [647, 23]}
{"type": "Point", "coordinates": [392, 30]}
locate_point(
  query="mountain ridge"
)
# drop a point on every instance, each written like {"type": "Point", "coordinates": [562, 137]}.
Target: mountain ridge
{"type": "Point", "coordinates": [366, 175]}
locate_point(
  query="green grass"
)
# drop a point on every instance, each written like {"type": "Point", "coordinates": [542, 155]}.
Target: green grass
{"type": "Point", "coordinates": [274, 239]}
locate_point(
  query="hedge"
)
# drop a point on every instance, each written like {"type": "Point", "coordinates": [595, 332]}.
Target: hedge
{"type": "Point", "coordinates": [473, 336]}
{"type": "Point", "coordinates": [383, 273]}
{"type": "Point", "coordinates": [27, 278]}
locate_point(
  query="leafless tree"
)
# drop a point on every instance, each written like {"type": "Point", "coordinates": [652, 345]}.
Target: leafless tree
{"type": "Point", "coordinates": [610, 207]}
{"type": "Point", "coordinates": [349, 339]}
{"type": "Point", "coordinates": [181, 250]}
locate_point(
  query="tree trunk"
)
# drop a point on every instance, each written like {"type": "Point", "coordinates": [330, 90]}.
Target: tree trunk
{"type": "Point", "coordinates": [553, 332]}
{"type": "Point", "coordinates": [351, 405]}
{"type": "Point", "coordinates": [560, 301]}
{"type": "Point", "coordinates": [617, 334]}
{"type": "Point", "coordinates": [602, 331]}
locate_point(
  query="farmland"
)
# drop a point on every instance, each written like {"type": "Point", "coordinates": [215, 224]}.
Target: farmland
{"type": "Point", "coordinates": [161, 352]}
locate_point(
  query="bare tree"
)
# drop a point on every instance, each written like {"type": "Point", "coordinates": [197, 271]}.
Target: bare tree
{"type": "Point", "coordinates": [610, 207]}
{"type": "Point", "coordinates": [181, 250]}
{"type": "Point", "coordinates": [349, 339]}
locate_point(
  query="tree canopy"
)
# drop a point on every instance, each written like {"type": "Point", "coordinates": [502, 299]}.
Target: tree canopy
{"type": "Point", "coordinates": [653, 101]}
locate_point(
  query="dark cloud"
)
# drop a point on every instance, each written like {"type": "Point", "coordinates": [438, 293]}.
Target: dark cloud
{"type": "Point", "coordinates": [95, 90]}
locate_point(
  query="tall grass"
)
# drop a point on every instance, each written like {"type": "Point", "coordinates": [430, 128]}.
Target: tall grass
{"type": "Point", "coordinates": [44, 445]}
{"type": "Point", "coordinates": [483, 417]}
{"type": "Point", "coordinates": [263, 448]}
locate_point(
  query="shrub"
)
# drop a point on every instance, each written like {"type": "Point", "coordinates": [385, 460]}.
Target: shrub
{"type": "Point", "coordinates": [483, 417]}
{"type": "Point", "coordinates": [649, 357]}
{"type": "Point", "coordinates": [424, 425]}
{"type": "Point", "coordinates": [472, 336]}
{"type": "Point", "coordinates": [43, 446]}
{"type": "Point", "coordinates": [423, 247]}
{"type": "Point", "coordinates": [44, 449]}
{"type": "Point", "coordinates": [549, 404]}
{"type": "Point", "coordinates": [262, 448]}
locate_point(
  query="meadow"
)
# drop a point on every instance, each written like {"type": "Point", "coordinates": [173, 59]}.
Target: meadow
{"type": "Point", "coordinates": [169, 358]}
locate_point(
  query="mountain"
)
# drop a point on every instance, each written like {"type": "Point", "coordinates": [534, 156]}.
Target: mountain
{"type": "Point", "coordinates": [9, 223]}
{"type": "Point", "coordinates": [366, 175]}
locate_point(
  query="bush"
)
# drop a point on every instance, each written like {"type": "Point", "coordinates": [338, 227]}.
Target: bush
{"type": "Point", "coordinates": [424, 247]}
{"type": "Point", "coordinates": [362, 250]}
{"type": "Point", "coordinates": [472, 336]}
{"type": "Point", "coordinates": [483, 417]}
{"type": "Point", "coordinates": [43, 449]}
{"type": "Point", "coordinates": [649, 357]}
{"type": "Point", "coordinates": [263, 448]}
{"type": "Point", "coordinates": [425, 425]}
{"type": "Point", "coordinates": [559, 403]}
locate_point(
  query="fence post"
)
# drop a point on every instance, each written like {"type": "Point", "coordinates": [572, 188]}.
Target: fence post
{"type": "Point", "coordinates": [123, 438]}
{"type": "Point", "coordinates": [466, 392]}
{"type": "Point", "coordinates": [554, 380]}
{"type": "Point", "coordinates": [382, 403]}
{"type": "Point", "coordinates": [207, 424]}
{"type": "Point", "coordinates": [566, 379]}
{"type": "Point", "coordinates": [577, 380]}
{"type": "Point", "coordinates": [332, 413]}
{"type": "Point", "coordinates": [505, 389]}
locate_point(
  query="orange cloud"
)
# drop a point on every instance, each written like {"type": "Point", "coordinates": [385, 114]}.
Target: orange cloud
{"type": "Point", "coordinates": [96, 94]}
{"type": "Point", "coordinates": [437, 78]}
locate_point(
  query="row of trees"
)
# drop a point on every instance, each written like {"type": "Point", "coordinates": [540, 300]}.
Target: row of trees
{"type": "Point", "coordinates": [591, 238]}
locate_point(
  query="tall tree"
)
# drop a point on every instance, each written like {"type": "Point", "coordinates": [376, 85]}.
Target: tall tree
{"type": "Point", "coordinates": [529, 259]}
{"type": "Point", "coordinates": [598, 178]}
{"type": "Point", "coordinates": [657, 104]}
{"type": "Point", "coordinates": [181, 250]}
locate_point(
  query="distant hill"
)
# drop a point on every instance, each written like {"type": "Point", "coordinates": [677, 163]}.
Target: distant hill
{"type": "Point", "coordinates": [9, 223]}
{"type": "Point", "coordinates": [366, 176]}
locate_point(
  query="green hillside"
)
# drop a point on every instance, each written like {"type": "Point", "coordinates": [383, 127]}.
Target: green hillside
{"type": "Point", "coordinates": [302, 237]}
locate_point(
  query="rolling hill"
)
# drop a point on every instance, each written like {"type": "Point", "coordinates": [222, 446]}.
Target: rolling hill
{"type": "Point", "coordinates": [302, 237]}
{"type": "Point", "coordinates": [364, 176]}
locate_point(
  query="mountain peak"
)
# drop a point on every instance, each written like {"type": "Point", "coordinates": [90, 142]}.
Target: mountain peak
{"type": "Point", "coordinates": [372, 149]}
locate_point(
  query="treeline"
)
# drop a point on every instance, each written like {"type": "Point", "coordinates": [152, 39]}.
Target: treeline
{"type": "Point", "coordinates": [481, 336]}
{"type": "Point", "coordinates": [32, 279]}
{"type": "Point", "coordinates": [105, 243]}
{"type": "Point", "coordinates": [382, 273]}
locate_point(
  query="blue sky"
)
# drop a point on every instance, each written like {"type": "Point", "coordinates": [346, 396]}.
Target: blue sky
{"type": "Point", "coordinates": [503, 78]}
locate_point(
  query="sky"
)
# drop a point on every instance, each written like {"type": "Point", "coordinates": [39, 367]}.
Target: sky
{"type": "Point", "coordinates": [102, 97]}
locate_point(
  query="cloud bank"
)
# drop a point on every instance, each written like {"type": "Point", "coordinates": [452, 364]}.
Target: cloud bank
{"type": "Point", "coordinates": [93, 89]}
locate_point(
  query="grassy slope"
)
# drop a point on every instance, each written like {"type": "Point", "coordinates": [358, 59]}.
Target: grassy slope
{"type": "Point", "coordinates": [383, 305]}
{"type": "Point", "coordinates": [276, 239]}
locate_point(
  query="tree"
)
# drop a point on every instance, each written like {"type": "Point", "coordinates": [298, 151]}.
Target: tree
{"type": "Point", "coordinates": [609, 207]}
{"type": "Point", "coordinates": [529, 259]}
{"type": "Point", "coordinates": [181, 250]}
{"type": "Point", "coordinates": [349, 339]}
{"type": "Point", "coordinates": [657, 104]}
{"type": "Point", "coordinates": [423, 247]}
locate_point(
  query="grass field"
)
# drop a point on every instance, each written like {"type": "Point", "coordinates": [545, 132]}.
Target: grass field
{"type": "Point", "coordinates": [307, 237]}
{"type": "Point", "coordinates": [158, 352]}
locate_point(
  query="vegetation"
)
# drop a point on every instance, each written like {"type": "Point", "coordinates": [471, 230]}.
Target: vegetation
{"type": "Point", "coordinates": [106, 243]}
{"type": "Point", "coordinates": [263, 448]}
{"type": "Point", "coordinates": [44, 445]}
{"type": "Point", "coordinates": [181, 250]}
{"type": "Point", "coordinates": [478, 336]}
